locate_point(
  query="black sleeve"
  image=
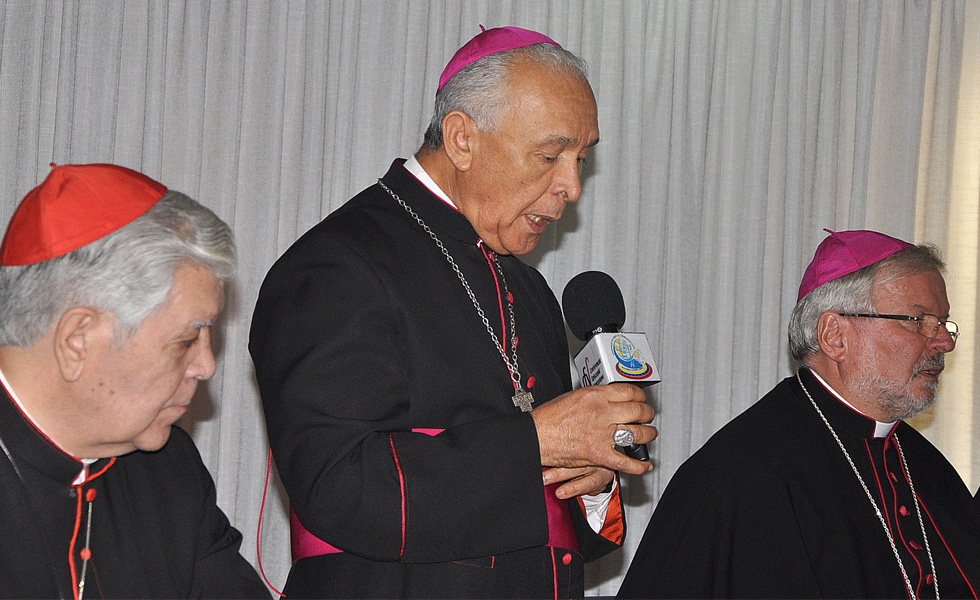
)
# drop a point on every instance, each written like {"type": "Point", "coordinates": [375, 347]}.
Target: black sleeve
{"type": "Point", "coordinates": [220, 571]}
{"type": "Point", "coordinates": [596, 544]}
{"type": "Point", "coordinates": [722, 530]}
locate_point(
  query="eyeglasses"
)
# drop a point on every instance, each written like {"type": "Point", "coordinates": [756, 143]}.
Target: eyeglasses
{"type": "Point", "coordinates": [927, 325]}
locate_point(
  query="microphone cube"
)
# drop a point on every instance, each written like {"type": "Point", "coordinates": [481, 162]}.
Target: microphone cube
{"type": "Point", "coordinates": [617, 357]}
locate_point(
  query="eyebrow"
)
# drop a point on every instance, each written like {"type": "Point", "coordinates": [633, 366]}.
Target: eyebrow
{"type": "Point", "coordinates": [564, 140]}
{"type": "Point", "coordinates": [927, 311]}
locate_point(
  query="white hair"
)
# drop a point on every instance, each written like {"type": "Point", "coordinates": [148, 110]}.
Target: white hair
{"type": "Point", "coordinates": [852, 293]}
{"type": "Point", "coordinates": [128, 273]}
{"type": "Point", "coordinates": [479, 89]}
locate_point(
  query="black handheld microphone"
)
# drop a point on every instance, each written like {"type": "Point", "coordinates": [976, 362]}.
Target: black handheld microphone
{"type": "Point", "coordinates": [595, 312]}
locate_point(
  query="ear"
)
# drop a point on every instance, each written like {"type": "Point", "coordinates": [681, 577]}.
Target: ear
{"type": "Point", "coordinates": [459, 134]}
{"type": "Point", "coordinates": [832, 331]}
{"type": "Point", "coordinates": [76, 336]}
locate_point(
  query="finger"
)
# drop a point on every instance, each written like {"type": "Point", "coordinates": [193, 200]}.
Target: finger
{"type": "Point", "coordinates": [625, 402]}
{"type": "Point", "coordinates": [613, 459]}
{"type": "Point", "coordinates": [592, 483]}
{"type": "Point", "coordinates": [642, 434]}
{"type": "Point", "coordinates": [635, 412]}
{"type": "Point", "coordinates": [621, 392]}
{"type": "Point", "coordinates": [624, 464]}
{"type": "Point", "coordinates": [558, 474]}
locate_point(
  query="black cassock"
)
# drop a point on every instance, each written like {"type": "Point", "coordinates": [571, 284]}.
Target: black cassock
{"type": "Point", "coordinates": [363, 333]}
{"type": "Point", "coordinates": [770, 508]}
{"type": "Point", "coordinates": [156, 529]}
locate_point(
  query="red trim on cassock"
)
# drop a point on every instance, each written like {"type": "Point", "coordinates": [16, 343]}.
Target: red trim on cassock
{"type": "Point", "coordinates": [554, 571]}
{"type": "Point", "coordinates": [973, 590]}
{"type": "Point", "coordinates": [561, 531]}
{"type": "Point", "coordinates": [500, 298]}
{"type": "Point", "coordinates": [27, 418]}
{"type": "Point", "coordinates": [74, 538]}
{"type": "Point", "coordinates": [881, 496]}
{"type": "Point", "coordinates": [401, 481]}
{"type": "Point", "coordinates": [78, 523]}
{"type": "Point", "coordinates": [111, 462]}
{"type": "Point", "coordinates": [892, 480]}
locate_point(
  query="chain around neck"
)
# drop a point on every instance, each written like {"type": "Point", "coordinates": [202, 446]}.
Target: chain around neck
{"type": "Point", "coordinates": [881, 518]}
{"type": "Point", "coordinates": [511, 361]}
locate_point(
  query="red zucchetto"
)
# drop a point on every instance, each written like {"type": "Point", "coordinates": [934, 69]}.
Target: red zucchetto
{"type": "Point", "coordinates": [75, 206]}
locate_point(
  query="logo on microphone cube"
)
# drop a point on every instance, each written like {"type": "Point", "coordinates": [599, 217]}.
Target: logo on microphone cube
{"type": "Point", "coordinates": [617, 357]}
{"type": "Point", "coordinates": [629, 360]}
{"type": "Point", "coordinates": [591, 372]}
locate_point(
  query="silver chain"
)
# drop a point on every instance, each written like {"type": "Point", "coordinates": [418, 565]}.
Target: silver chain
{"type": "Point", "coordinates": [511, 362]}
{"type": "Point", "coordinates": [881, 518]}
{"type": "Point", "coordinates": [88, 528]}
{"type": "Point", "coordinates": [11, 459]}
{"type": "Point", "coordinates": [918, 513]}
{"type": "Point", "coordinates": [88, 545]}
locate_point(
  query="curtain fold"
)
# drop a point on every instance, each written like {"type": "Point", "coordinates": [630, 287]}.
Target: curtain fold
{"type": "Point", "coordinates": [948, 214]}
{"type": "Point", "coordinates": [732, 133]}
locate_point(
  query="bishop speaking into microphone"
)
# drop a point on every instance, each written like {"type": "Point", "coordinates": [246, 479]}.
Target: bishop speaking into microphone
{"type": "Point", "coordinates": [414, 372]}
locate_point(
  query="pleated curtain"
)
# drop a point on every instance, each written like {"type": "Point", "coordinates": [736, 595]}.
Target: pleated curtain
{"type": "Point", "coordinates": [731, 134]}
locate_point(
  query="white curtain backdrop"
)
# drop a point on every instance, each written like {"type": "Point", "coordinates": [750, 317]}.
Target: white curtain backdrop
{"type": "Point", "coordinates": [732, 133]}
{"type": "Point", "coordinates": [948, 214]}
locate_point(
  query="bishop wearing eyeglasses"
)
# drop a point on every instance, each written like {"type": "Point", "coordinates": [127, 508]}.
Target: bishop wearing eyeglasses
{"type": "Point", "coordinates": [821, 489]}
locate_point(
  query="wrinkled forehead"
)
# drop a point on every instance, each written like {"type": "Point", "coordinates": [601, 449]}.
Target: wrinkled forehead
{"type": "Point", "coordinates": [924, 290]}
{"type": "Point", "coordinates": [524, 69]}
{"type": "Point", "coordinates": [565, 97]}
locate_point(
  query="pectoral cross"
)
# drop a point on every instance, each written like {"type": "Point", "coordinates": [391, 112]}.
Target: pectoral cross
{"type": "Point", "coordinates": [523, 400]}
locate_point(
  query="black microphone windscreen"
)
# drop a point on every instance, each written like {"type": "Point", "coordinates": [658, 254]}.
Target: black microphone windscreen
{"type": "Point", "coordinates": [592, 300]}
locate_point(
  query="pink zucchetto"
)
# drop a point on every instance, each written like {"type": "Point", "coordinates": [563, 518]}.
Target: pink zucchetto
{"type": "Point", "coordinates": [491, 41]}
{"type": "Point", "coordinates": [73, 207]}
{"type": "Point", "coordinates": [844, 252]}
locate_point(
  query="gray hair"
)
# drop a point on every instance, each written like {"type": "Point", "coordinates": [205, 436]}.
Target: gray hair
{"type": "Point", "coordinates": [128, 273]}
{"type": "Point", "coordinates": [479, 89]}
{"type": "Point", "coordinates": [853, 293]}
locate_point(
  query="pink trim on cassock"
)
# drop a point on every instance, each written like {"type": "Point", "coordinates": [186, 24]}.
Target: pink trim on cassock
{"type": "Point", "coordinates": [560, 527]}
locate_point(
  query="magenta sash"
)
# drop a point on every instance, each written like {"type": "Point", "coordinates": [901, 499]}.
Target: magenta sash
{"type": "Point", "coordinates": [302, 543]}
{"type": "Point", "coordinates": [561, 531]}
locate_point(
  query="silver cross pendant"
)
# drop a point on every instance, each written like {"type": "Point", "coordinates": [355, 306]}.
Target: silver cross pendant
{"type": "Point", "coordinates": [523, 400]}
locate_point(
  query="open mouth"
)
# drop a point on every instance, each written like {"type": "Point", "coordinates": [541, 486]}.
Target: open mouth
{"type": "Point", "coordinates": [539, 223]}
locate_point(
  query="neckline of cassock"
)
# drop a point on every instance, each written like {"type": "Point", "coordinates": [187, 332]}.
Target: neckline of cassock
{"type": "Point", "coordinates": [29, 447]}
{"type": "Point", "coordinates": [844, 418]}
{"type": "Point", "coordinates": [434, 211]}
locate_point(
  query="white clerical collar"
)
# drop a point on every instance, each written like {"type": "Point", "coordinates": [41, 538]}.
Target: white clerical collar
{"type": "Point", "coordinates": [881, 429]}
{"type": "Point", "coordinates": [412, 166]}
{"type": "Point", "coordinates": [85, 461]}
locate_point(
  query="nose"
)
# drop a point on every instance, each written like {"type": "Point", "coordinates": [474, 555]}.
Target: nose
{"type": "Point", "coordinates": [203, 364]}
{"type": "Point", "coordinates": [568, 181]}
{"type": "Point", "coordinates": [944, 341]}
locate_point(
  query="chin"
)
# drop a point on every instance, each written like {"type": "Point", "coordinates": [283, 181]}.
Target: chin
{"type": "Point", "coordinates": [522, 249]}
{"type": "Point", "coordinates": [151, 442]}
{"type": "Point", "coordinates": [916, 405]}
